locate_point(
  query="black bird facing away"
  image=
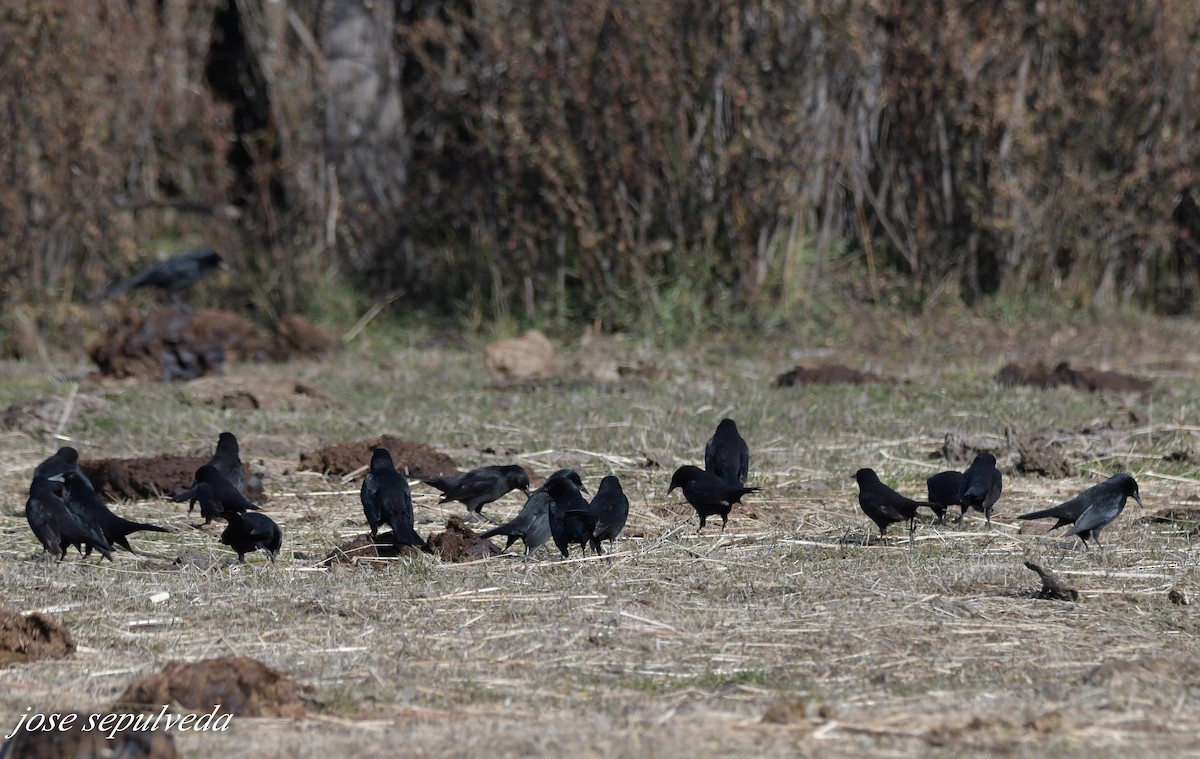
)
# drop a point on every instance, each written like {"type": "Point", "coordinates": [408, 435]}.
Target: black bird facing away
{"type": "Point", "coordinates": [56, 526]}
{"type": "Point", "coordinates": [1093, 509]}
{"type": "Point", "coordinates": [882, 504]}
{"type": "Point", "coordinates": [387, 499]}
{"type": "Point", "coordinates": [215, 494]}
{"type": "Point", "coordinates": [172, 275]}
{"type": "Point", "coordinates": [227, 459]}
{"type": "Point", "coordinates": [726, 454]}
{"type": "Point", "coordinates": [566, 528]}
{"type": "Point", "coordinates": [532, 523]}
{"type": "Point", "coordinates": [89, 507]}
{"type": "Point", "coordinates": [981, 486]}
{"type": "Point", "coordinates": [606, 514]}
{"type": "Point", "coordinates": [708, 494]}
{"type": "Point", "coordinates": [943, 490]}
{"type": "Point", "coordinates": [481, 486]}
{"type": "Point", "coordinates": [250, 531]}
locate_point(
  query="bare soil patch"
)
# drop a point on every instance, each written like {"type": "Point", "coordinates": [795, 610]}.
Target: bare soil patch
{"type": "Point", "coordinates": [827, 374]}
{"type": "Point", "coordinates": [241, 686]}
{"type": "Point", "coordinates": [32, 637]}
{"type": "Point", "coordinates": [149, 477]}
{"type": "Point", "coordinates": [413, 459]}
{"type": "Point", "coordinates": [460, 543]}
{"type": "Point", "coordinates": [247, 393]}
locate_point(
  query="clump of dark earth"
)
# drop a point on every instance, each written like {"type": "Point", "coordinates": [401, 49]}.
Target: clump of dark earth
{"type": "Point", "coordinates": [413, 459]}
{"type": "Point", "coordinates": [240, 686]}
{"type": "Point", "coordinates": [1052, 588]}
{"type": "Point", "coordinates": [50, 413]}
{"type": "Point", "coordinates": [153, 476]}
{"type": "Point", "coordinates": [826, 374]}
{"type": "Point", "coordinates": [1037, 458]}
{"type": "Point", "coordinates": [32, 637]}
{"type": "Point", "coordinates": [1093, 380]}
{"type": "Point", "coordinates": [963, 448]}
{"type": "Point", "coordinates": [177, 344]}
{"type": "Point", "coordinates": [79, 742]}
{"type": "Point", "coordinates": [248, 393]}
{"type": "Point", "coordinates": [363, 548]}
{"type": "Point", "coordinates": [460, 543]}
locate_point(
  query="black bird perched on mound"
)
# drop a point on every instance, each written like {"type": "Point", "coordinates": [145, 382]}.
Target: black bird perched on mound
{"type": "Point", "coordinates": [386, 498]}
{"type": "Point", "coordinates": [943, 489]}
{"type": "Point", "coordinates": [89, 507]}
{"type": "Point", "coordinates": [606, 514]}
{"type": "Point", "coordinates": [250, 531]}
{"type": "Point", "coordinates": [882, 504]}
{"type": "Point", "coordinates": [726, 454]}
{"type": "Point", "coordinates": [215, 494]}
{"type": "Point", "coordinates": [480, 486]}
{"type": "Point", "coordinates": [565, 527]}
{"type": "Point", "coordinates": [56, 527]}
{"type": "Point", "coordinates": [708, 493]}
{"type": "Point", "coordinates": [981, 486]}
{"type": "Point", "coordinates": [227, 459]}
{"type": "Point", "coordinates": [532, 523]}
{"type": "Point", "coordinates": [1093, 509]}
{"type": "Point", "coordinates": [172, 275]}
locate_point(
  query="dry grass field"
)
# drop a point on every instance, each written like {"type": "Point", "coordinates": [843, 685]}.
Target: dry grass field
{"type": "Point", "coordinates": [786, 636]}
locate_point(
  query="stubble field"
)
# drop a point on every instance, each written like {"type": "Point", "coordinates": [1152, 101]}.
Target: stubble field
{"type": "Point", "coordinates": [786, 636]}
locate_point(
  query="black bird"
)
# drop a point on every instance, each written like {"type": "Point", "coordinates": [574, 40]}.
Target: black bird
{"type": "Point", "coordinates": [48, 515]}
{"type": "Point", "coordinates": [387, 499]}
{"type": "Point", "coordinates": [708, 493]}
{"type": "Point", "coordinates": [88, 507]}
{"type": "Point", "coordinates": [480, 486]}
{"type": "Point", "coordinates": [981, 486]}
{"type": "Point", "coordinates": [172, 275]}
{"type": "Point", "coordinates": [215, 494]}
{"type": "Point", "coordinates": [532, 523]}
{"type": "Point", "coordinates": [1093, 509]}
{"type": "Point", "coordinates": [606, 514]}
{"type": "Point", "coordinates": [565, 527]}
{"type": "Point", "coordinates": [944, 488]}
{"type": "Point", "coordinates": [882, 504]}
{"type": "Point", "coordinates": [65, 459]}
{"type": "Point", "coordinates": [227, 461]}
{"type": "Point", "coordinates": [727, 455]}
{"type": "Point", "coordinates": [250, 531]}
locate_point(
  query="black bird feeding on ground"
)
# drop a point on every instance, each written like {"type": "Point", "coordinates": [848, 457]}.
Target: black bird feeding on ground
{"type": "Point", "coordinates": [606, 514]}
{"type": "Point", "coordinates": [83, 501]}
{"type": "Point", "coordinates": [481, 486]}
{"type": "Point", "coordinates": [215, 494]}
{"type": "Point", "coordinates": [532, 523]}
{"type": "Point", "coordinates": [981, 486]}
{"type": "Point", "coordinates": [1093, 509]}
{"type": "Point", "coordinates": [56, 526]}
{"type": "Point", "coordinates": [943, 491]}
{"type": "Point", "coordinates": [250, 531]}
{"type": "Point", "coordinates": [708, 494]}
{"type": "Point", "coordinates": [566, 528]}
{"type": "Point", "coordinates": [882, 504]}
{"type": "Point", "coordinates": [387, 499]}
{"type": "Point", "coordinates": [726, 454]}
{"type": "Point", "coordinates": [172, 275]}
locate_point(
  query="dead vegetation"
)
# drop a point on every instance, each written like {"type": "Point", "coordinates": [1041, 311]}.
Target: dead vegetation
{"type": "Point", "coordinates": [785, 636]}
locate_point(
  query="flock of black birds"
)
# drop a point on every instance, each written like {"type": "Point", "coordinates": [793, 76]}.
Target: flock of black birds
{"type": "Point", "coordinates": [64, 510]}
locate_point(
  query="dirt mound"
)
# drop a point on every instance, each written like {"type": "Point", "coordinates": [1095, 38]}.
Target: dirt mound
{"type": "Point", "coordinates": [826, 374]}
{"type": "Point", "coordinates": [410, 458]}
{"type": "Point", "coordinates": [30, 638]}
{"type": "Point", "coordinates": [530, 356]}
{"type": "Point", "coordinates": [175, 344]}
{"type": "Point", "coordinates": [963, 448]}
{"type": "Point", "coordinates": [50, 413]}
{"type": "Point", "coordinates": [151, 477]}
{"type": "Point", "coordinates": [363, 548]}
{"type": "Point", "coordinates": [460, 543]}
{"type": "Point", "coordinates": [240, 686]}
{"type": "Point", "coordinates": [1093, 380]}
{"type": "Point", "coordinates": [254, 393]}
{"type": "Point", "coordinates": [1037, 457]}
{"type": "Point", "coordinates": [79, 742]}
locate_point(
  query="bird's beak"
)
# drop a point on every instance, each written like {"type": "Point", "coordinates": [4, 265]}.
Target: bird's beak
{"type": "Point", "coordinates": [1138, 497]}
{"type": "Point", "coordinates": [58, 477]}
{"type": "Point", "coordinates": [583, 489]}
